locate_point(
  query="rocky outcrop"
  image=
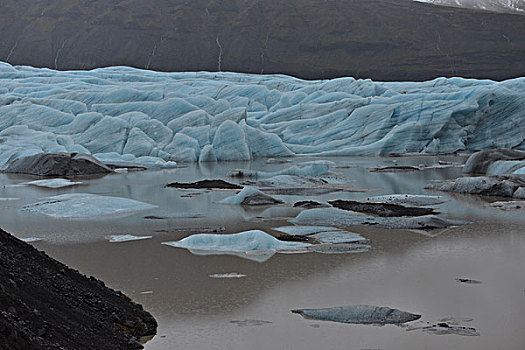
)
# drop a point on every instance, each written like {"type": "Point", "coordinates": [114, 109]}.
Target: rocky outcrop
{"type": "Point", "coordinates": [46, 305]}
{"type": "Point", "coordinates": [58, 164]}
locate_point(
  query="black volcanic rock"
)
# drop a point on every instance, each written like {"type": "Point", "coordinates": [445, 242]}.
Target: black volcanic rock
{"type": "Point", "coordinates": [381, 39]}
{"type": "Point", "coordinates": [46, 305]}
{"type": "Point", "coordinates": [58, 164]}
{"type": "Point", "coordinates": [207, 184]}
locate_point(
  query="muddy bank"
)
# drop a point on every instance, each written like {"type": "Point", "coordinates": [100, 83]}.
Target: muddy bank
{"type": "Point", "coordinates": [46, 305]}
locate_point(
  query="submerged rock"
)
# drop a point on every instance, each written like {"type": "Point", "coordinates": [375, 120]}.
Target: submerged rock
{"type": "Point", "coordinates": [468, 281]}
{"type": "Point", "coordinates": [380, 209]}
{"type": "Point", "coordinates": [443, 328]}
{"type": "Point", "coordinates": [250, 196]}
{"type": "Point", "coordinates": [57, 164]}
{"type": "Point", "coordinates": [480, 162]}
{"type": "Point", "coordinates": [499, 186]}
{"type": "Point", "coordinates": [213, 184]}
{"type": "Point", "coordinates": [359, 314]}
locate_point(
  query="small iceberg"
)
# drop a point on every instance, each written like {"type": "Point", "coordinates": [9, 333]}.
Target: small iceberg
{"type": "Point", "coordinates": [228, 275]}
{"type": "Point", "coordinates": [85, 205]}
{"type": "Point", "coordinates": [407, 199]}
{"type": "Point", "coordinates": [359, 314]}
{"type": "Point", "coordinates": [125, 238]}
{"type": "Point", "coordinates": [254, 245]}
{"type": "Point", "coordinates": [338, 217]}
{"type": "Point", "coordinates": [250, 196]}
{"type": "Point", "coordinates": [30, 239]}
{"type": "Point", "coordinates": [52, 183]}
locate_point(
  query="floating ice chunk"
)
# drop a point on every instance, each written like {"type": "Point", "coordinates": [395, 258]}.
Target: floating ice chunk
{"type": "Point", "coordinates": [53, 183]}
{"type": "Point", "coordinates": [5, 199]}
{"type": "Point", "coordinates": [125, 238]}
{"type": "Point", "coordinates": [408, 199]}
{"type": "Point", "coordinates": [254, 245]}
{"type": "Point", "coordinates": [304, 230]}
{"type": "Point", "coordinates": [334, 237]}
{"type": "Point", "coordinates": [359, 314]}
{"type": "Point", "coordinates": [337, 217]}
{"type": "Point", "coordinates": [228, 275]}
{"type": "Point", "coordinates": [250, 196]}
{"type": "Point", "coordinates": [85, 205]}
{"type": "Point", "coordinates": [339, 248]}
{"type": "Point", "coordinates": [30, 239]}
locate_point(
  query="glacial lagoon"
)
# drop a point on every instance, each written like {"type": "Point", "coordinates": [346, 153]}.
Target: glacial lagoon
{"type": "Point", "coordinates": [230, 302]}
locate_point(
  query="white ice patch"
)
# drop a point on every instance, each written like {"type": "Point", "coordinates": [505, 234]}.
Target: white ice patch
{"type": "Point", "coordinates": [250, 196]}
{"type": "Point", "coordinates": [125, 238]}
{"type": "Point", "coordinates": [30, 239]}
{"type": "Point", "coordinates": [254, 245]}
{"type": "Point", "coordinates": [228, 275]}
{"type": "Point", "coordinates": [407, 199]}
{"type": "Point", "coordinates": [5, 199]}
{"type": "Point", "coordinates": [52, 183]}
{"type": "Point", "coordinates": [85, 205]}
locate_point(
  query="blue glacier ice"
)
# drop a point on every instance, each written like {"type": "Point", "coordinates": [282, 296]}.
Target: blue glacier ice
{"type": "Point", "coordinates": [85, 205]}
{"type": "Point", "coordinates": [133, 117]}
{"type": "Point", "coordinates": [254, 245]}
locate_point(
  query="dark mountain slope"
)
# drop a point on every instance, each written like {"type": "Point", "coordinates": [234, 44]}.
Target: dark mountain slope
{"type": "Point", "coordinates": [379, 39]}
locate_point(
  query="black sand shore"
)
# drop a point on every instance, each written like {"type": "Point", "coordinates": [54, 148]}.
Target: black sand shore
{"type": "Point", "coordinates": [46, 305]}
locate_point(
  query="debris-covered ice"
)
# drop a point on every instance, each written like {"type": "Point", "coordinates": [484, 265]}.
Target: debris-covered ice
{"type": "Point", "coordinates": [85, 205]}
{"type": "Point", "coordinates": [337, 217]}
{"type": "Point", "coordinates": [359, 314]}
{"type": "Point", "coordinates": [131, 117]}
{"type": "Point", "coordinates": [407, 199]}
{"type": "Point", "coordinates": [254, 245]}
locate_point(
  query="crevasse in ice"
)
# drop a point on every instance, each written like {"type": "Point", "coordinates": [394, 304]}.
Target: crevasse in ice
{"type": "Point", "coordinates": [129, 116]}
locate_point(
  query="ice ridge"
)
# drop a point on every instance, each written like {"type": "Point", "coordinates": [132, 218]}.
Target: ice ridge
{"type": "Point", "coordinates": [129, 116]}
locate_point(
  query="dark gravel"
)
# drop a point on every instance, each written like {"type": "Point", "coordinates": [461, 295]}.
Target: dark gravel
{"type": "Point", "coordinates": [46, 305]}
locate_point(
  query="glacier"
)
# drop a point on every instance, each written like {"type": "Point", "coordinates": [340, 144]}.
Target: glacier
{"type": "Point", "coordinates": [131, 117]}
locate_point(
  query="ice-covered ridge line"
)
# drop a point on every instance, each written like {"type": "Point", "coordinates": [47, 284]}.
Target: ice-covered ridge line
{"type": "Point", "coordinates": [131, 116]}
{"type": "Point", "coordinates": [509, 6]}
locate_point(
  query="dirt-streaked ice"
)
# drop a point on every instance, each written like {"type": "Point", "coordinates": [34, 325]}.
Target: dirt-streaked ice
{"type": "Point", "coordinates": [126, 116]}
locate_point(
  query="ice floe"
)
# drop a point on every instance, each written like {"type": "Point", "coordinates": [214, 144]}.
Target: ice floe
{"type": "Point", "coordinates": [85, 205]}
{"type": "Point", "coordinates": [359, 314]}
{"type": "Point", "coordinates": [337, 217]}
{"type": "Point", "coordinates": [131, 117]}
{"type": "Point", "coordinates": [250, 196]}
{"type": "Point", "coordinates": [53, 183]}
{"type": "Point", "coordinates": [407, 199]}
{"type": "Point", "coordinates": [126, 238]}
{"type": "Point", "coordinates": [227, 275]}
{"type": "Point", "coordinates": [253, 245]}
